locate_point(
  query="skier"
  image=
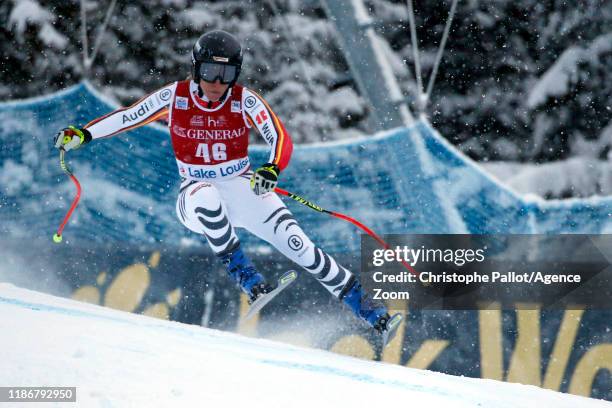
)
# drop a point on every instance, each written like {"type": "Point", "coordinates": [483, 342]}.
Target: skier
{"type": "Point", "coordinates": [209, 116]}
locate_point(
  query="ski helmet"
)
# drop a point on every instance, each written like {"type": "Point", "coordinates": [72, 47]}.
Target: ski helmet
{"type": "Point", "coordinates": [216, 55]}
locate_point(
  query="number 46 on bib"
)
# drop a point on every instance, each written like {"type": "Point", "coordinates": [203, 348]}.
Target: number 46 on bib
{"type": "Point", "coordinates": [218, 151]}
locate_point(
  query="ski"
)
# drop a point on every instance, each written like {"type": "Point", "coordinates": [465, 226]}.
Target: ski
{"type": "Point", "coordinates": [284, 281]}
{"type": "Point", "coordinates": [391, 329]}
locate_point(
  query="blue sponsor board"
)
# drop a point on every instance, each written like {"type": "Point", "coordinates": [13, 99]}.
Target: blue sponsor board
{"type": "Point", "coordinates": [565, 350]}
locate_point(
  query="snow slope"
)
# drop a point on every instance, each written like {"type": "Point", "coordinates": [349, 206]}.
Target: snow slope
{"type": "Point", "coordinates": [117, 359]}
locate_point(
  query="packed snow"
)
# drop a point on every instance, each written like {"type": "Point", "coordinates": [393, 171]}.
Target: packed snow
{"type": "Point", "coordinates": [117, 359]}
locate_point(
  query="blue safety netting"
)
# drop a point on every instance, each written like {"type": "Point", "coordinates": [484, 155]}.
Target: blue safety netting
{"type": "Point", "coordinates": [408, 180]}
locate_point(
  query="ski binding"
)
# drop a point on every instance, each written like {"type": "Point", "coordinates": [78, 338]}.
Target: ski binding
{"type": "Point", "coordinates": [391, 328]}
{"type": "Point", "coordinates": [283, 282]}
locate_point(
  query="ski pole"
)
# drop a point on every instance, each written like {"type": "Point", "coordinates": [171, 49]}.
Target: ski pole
{"type": "Point", "coordinates": [57, 238]}
{"type": "Point", "coordinates": [353, 221]}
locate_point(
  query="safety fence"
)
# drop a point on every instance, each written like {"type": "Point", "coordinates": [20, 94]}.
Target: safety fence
{"type": "Point", "coordinates": [405, 180]}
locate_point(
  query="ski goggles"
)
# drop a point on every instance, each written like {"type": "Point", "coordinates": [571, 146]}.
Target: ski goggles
{"type": "Point", "coordinates": [210, 72]}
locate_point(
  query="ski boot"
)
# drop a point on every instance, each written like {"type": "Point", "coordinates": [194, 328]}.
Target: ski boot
{"type": "Point", "coordinates": [373, 312]}
{"type": "Point", "coordinates": [242, 271]}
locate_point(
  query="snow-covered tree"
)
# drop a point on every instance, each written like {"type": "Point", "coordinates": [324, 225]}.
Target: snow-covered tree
{"type": "Point", "coordinates": [520, 80]}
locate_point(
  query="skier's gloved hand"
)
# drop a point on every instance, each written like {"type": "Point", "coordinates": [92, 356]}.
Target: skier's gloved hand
{"type": "Point", "coordinates": [71, 138]}
{"type": "Point", "coordinates": [265, 178]}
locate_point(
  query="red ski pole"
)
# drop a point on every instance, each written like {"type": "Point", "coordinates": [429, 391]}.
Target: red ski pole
{"type": "Point", "coordinates": [353, 221]}
{"type": "Point", "coordinates": [57, 237]}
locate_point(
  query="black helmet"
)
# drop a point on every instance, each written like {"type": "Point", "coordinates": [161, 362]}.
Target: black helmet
{"type": "Point", "coordinates": [216, 55]}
